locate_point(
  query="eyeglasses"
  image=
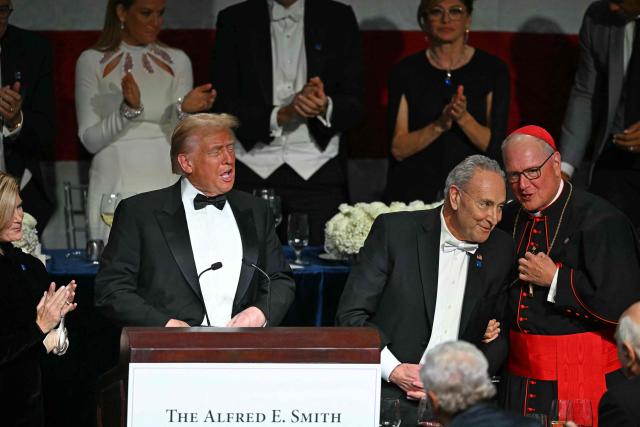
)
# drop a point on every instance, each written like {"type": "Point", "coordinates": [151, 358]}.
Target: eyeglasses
{"type": "Point", "coordinates": [5, 11]}
{"type": "Point", "coordinates": [483, 204]}
{"type": "Point", "coordinates": [437, 13]}
{"type": "Point", "coordinates": [530, 174]}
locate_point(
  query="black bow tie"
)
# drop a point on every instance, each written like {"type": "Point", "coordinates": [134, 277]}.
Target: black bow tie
{"type": "Point", "coordinates": [200, 201]}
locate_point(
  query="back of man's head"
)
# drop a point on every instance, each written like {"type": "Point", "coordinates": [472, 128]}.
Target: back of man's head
{"type": "Point", "coordinates": [455, 376]}
{"type": "Point", "coordinates": [628, 339]}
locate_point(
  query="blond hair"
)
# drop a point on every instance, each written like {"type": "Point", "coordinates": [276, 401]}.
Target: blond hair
{"type": "Point", "coordinates": [9, 191]}
{"type": "Point", "coordinates": [191, 128]}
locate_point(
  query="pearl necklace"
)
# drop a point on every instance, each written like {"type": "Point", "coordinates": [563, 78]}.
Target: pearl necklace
{"type": "Point", "coordinates": [436, 61]}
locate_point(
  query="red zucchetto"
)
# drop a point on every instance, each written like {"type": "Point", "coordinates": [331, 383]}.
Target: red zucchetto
{"type": "Point", "coordinates": [535, 131]}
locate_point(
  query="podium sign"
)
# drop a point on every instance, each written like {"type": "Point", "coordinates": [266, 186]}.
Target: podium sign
{"type": "Point", "coordinates": [243, 394]}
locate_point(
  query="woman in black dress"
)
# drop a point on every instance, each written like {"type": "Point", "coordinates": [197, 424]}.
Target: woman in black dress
{"type": "Point", "coordinates": [445, 103]}
{"type": "Point", "coordinates": [30, 309]}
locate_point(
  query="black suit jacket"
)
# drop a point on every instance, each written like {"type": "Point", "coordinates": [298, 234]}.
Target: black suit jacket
{"type": "Point", "coordinates": [242, 66]}
{"type": "Point", "coordinates": [393, 287]}
{"type": "Point", "coordinates": [619, 406]}
{"type": "Point", "coordinates": [28, 55]}
{"type": "Point", "coordinates": [148, 273]}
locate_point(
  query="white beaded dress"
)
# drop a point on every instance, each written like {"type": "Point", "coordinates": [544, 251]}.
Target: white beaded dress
{"type": "Point", "coordinates": [130, 156]}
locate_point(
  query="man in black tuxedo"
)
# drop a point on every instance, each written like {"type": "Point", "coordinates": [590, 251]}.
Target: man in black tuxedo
{"type": "Point", "coordinates": [426, 277]}
{"type": "Point", "coordinates": [183, 255]}
{"type": "Point", "coordinates": [602, 123]}
{"type": "Point", "coordinates": [26, 111]}
{"type": "Point", "coordinates": [291, 71]}
{"type": "Point", "coordinates": [619, 405]}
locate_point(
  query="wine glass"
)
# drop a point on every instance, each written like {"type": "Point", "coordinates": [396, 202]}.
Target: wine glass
{"type": "Point", "coordinates": [298, 234]}
{"type": "Point", "coordinates": [426, 415]}
{"type": "Point", "coordinates": [389, 412]}
{"type": "Point", "coordinates": [581, 412]}
{"type": "Point", "coordinates": [559, 412]}
{"type": "Point", "coordinates": [108, 207]}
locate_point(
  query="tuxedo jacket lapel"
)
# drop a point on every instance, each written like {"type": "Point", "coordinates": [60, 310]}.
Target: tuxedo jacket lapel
{"type": "Point", "coordinates": [248, 233]}
{"type": "Point", "coordinates": [428, 240]}
{"type": "Point", "coordinates": [473, 290]}
{"type": "Point", "coordinates": [260, 39]}
{"type": "Point", "coordinates": [173, 224]}
{"type": "Point", "coordinates": [314, 31]}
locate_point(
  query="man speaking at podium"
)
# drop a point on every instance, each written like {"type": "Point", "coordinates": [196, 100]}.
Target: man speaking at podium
{"type": "Point", "coordinates": [191, 254]}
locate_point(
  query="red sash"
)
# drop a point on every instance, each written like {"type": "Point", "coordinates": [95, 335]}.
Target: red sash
{"type": "Point", "coordinates": [578, 362]}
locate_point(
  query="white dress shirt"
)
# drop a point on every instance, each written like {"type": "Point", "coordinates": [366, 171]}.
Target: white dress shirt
{"type": "Point", "coordinates": [215, 237]}
{"type": "Point", "coordinates": [293, 144]}
{"type": "Point", "coordinates": [453, 265]}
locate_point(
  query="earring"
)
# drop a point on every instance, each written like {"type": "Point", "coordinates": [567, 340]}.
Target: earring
{"type": "Point", "coordinates": [122, 25]}
{"type": "Point", "coordinates": [466, 36]}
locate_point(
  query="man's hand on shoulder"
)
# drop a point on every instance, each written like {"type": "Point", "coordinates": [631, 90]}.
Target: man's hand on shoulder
{"type": "Point", "coordinates": [251, 317]}
{"type": "Point", "coordinates": [174, 323]}
{"type": "Point", "coordinates": [407, 377]}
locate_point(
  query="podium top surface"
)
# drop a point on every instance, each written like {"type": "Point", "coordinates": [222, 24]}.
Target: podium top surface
{"type": "Point", "coordinates": [249, 345]}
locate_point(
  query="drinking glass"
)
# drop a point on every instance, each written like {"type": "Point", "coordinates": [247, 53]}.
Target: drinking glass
{"type": "Point", "coordinates": [276, 208]}
{"type": "Point", "coordinates": [274, 201]}
{"type": "Point", "coordinates": [581, 413]}
{"type": "Point", "coordinates": [560, 412]}
{"type": "Point", "coordinates": [540, 419]}
{"type": "Point", "coordinates": [390, 412]}
{"type": "Point", "coordinates": [108, 207]}
{"type": "Point", "coordinates": [426, 415]}
{"type": "Point", "coordinates": [298, 234]}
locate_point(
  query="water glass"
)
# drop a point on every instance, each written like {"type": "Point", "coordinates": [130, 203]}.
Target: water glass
{"type": "Point", "coordinates": [298, 234]}
{"type": "Point", "coordinates": [390, 413]}
{"type": "Point", "coordinates": [559, 412]}
{"type": "Point", "coordinates": [581, 412]}
{"type": "Point", "coordinates": [426, 414]}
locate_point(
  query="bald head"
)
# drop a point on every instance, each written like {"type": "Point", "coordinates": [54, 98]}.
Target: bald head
{"type": "Point", "coordinates": [628, 339]}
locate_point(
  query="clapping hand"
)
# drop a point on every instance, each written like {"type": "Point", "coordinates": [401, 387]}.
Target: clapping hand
{"type": "Point", "coordinates": [54, 305]}
{"type": "Point", "coordinates": [311, 101]}
{"type": "Point", "coordinates": [458, 104]}
{"type": "Point", "coordinates": [10, 104]}
{"type": "Point", "coordinates": [200, 98]}
{"type": "Point", "coordinates": [131, 91]}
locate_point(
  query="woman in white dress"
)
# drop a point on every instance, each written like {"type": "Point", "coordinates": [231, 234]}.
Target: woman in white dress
{"type": "Point", "coordinates": [130, 91]}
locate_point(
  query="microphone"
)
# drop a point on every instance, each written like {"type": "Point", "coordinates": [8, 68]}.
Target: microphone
{"type": "Point", "coordinates": [215, 266]}
{"type": "Point", "coordinates": [252, 265]}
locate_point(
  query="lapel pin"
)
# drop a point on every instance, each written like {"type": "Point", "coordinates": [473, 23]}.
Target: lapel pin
{"type": "Point", "coordinates": [566, 240]}
{"type": "Point", "coordinates": [478, 260]}
{"type": "Point", "coordinates": [317, 46]}
{"type": "Point", "coordinates": [24, 267]}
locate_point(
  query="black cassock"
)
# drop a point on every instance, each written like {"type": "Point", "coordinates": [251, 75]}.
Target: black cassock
{"type": "Point", "coordinates": [597, 251]}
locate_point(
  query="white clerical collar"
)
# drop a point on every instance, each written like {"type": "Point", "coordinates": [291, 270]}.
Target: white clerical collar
{"type": "Point", "coordinates": [539, 213]}
{"type": "Point", "coordinates": [447, 237]}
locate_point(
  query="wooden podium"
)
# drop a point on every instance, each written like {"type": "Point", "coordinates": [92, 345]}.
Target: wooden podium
{"type": "Point", "coordinates": [228, 345]}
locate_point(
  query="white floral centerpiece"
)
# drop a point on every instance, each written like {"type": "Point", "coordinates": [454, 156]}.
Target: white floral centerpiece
{"type": "Point", "coordinates": [346, 232]}
{"type": "Point", "coordinates": [29, 243]}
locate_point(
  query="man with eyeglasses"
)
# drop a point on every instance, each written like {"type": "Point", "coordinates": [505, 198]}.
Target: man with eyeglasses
{"type": "Point", "coordinates": [578, 269]}
{"type": "Point", "coordinates": [26, 111]}
{"type": "Point", "coordinates": [427, 277]}
{"type": "Point", "coordinates": [602, 123]}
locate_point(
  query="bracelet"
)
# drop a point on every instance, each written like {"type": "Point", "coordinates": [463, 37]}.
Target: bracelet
{"type": "Point", "coordinates": [128, 112]}
{"type": "Point", "coordinates": [181, 114]}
